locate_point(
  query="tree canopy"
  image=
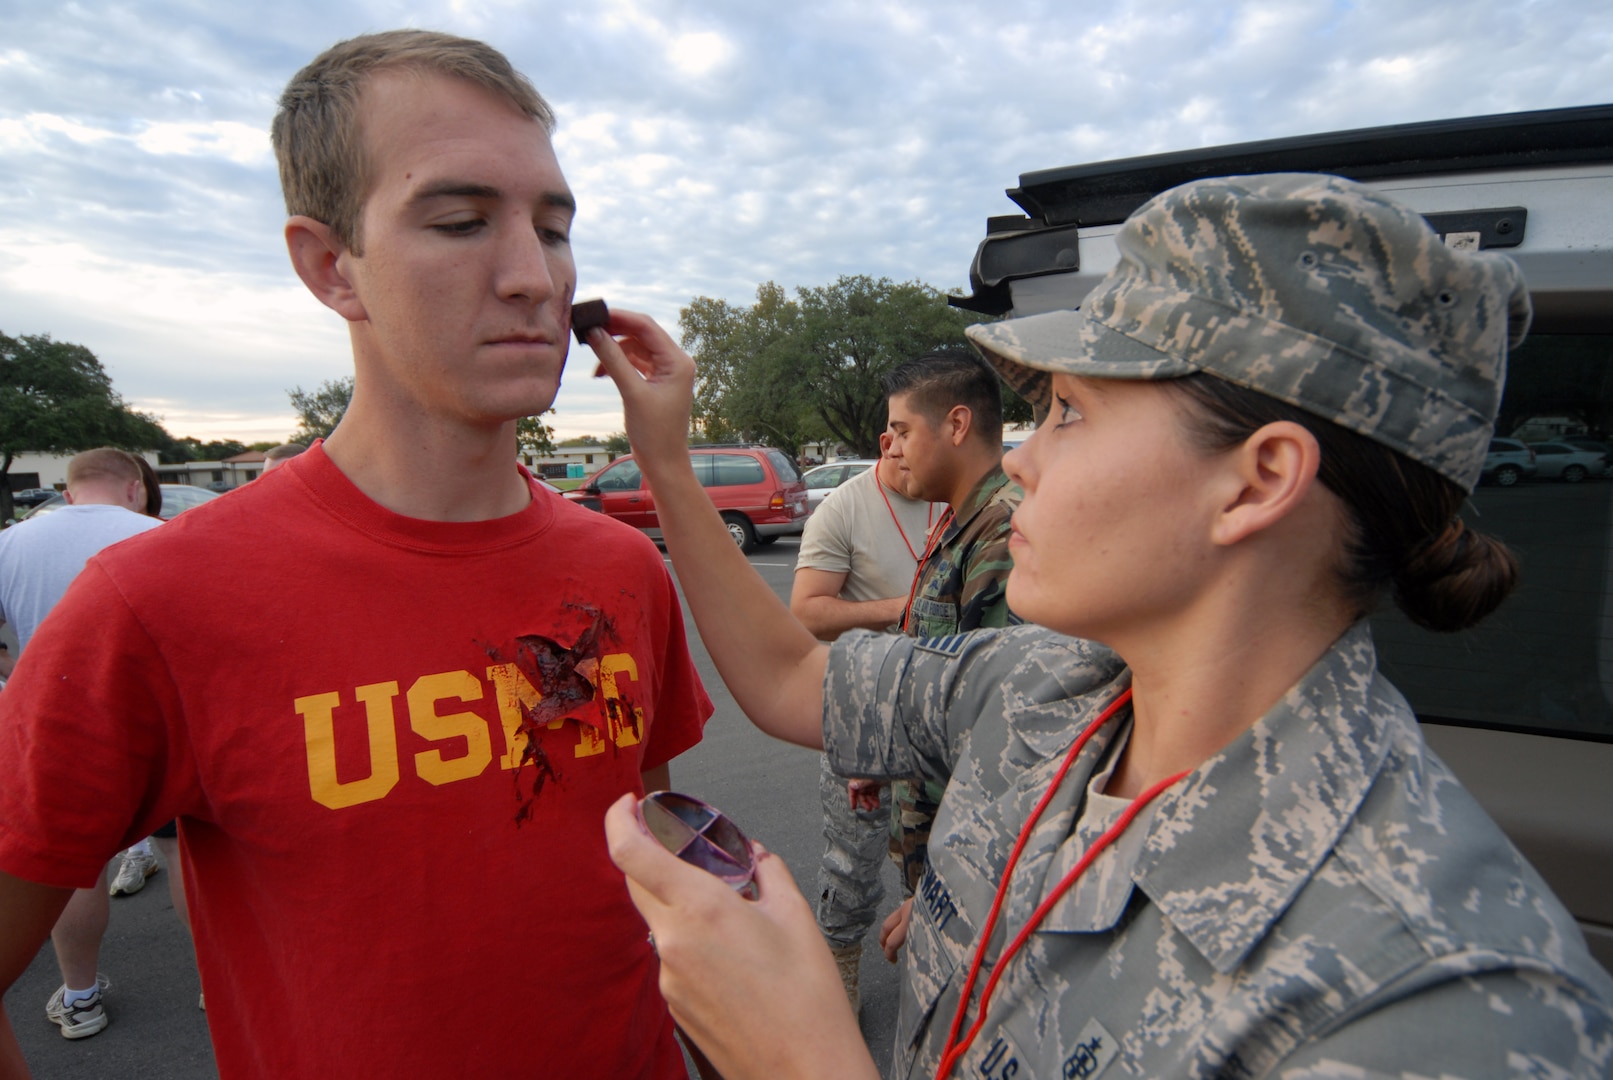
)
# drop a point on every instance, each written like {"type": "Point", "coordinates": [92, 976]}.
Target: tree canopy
{"type": "Point", "coordinates": [56, 398]}
{"type": "Point", "coordinates": [789, 371]}
{"type": "Point", "coordinates": [319, 410]}
{"type": "Point", "coordinates": [533, 436]}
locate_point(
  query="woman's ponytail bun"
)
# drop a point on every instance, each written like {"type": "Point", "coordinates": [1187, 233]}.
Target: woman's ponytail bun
{"type": "Point", "coordinates": [1455, 579]}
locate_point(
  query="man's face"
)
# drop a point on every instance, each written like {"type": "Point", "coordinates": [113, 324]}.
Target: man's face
{"type": "Point", "coordinates": [921, 451]}
{"type": "Point", "coordinates": [467, 276]}
{"type": "Point", "coordinates": [889, 471]}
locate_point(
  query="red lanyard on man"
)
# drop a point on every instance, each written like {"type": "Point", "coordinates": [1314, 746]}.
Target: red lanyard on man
{"type": "Point", "coordinates": [934, 542]}
{"type": "Point", "coordinates": [955, 1048]}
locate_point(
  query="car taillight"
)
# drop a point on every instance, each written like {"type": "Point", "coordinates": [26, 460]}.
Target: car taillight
{"type": "Point", "coordinates": [777, 501]}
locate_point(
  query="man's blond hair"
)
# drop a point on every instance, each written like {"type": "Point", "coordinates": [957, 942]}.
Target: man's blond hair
{"type": "Point", "coordinates": [102, 463]}
{"type": "Point", "coordinates": [316, 134]}
{"type": "Point", "coordinates": [284, 452]}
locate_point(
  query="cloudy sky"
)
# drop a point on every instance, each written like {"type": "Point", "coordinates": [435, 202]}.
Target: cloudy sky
{"type": "Point", "coordinates": [712, 146]}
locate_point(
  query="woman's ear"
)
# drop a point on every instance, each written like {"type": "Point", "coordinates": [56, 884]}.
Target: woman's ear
{"type": "Point", "coordinates": [323, 262]}
{"type": "Point", "coordinates": [1272, 471]}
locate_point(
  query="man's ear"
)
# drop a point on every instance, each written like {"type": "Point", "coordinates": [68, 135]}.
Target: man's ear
{"type": "Point", "coordinates": [958, 422]}
{"type": "Point", "coordinates": [322, 261]}
{"type": "Point", "coordinates": [1269, 477]}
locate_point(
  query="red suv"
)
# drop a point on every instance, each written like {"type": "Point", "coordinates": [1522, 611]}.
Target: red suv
{"type": "Point", "coordinates": [756, 488]}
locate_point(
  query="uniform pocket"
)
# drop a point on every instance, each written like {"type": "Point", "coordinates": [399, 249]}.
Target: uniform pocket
{"type": "Point", "coordinates": [934, 618]}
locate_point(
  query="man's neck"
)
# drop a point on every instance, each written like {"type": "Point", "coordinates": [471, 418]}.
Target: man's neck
{"type": "Point", "coordinates": [974, 468]}
{"type": "Point", "coordinates": [99, 494]}
{"type": "Point", "coordinates": [429, 470]}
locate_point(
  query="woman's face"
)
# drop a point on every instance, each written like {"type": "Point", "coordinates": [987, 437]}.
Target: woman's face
{"type": "Point", "coordinates": [1113, 534]}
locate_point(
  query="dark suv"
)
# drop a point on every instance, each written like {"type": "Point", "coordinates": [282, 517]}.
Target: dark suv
{"type": "Point", "coordinates": [1520, 707]}
{"type": "Point", "coordinates": [756, 488]}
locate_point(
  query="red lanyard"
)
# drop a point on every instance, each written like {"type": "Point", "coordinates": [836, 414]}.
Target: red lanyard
{"type": "Point", "coordinates": [954, 1050]}
{"type": "Point", "coordinates": [898, 521]}
{"type": "Point", "coordinates": [918, 571]}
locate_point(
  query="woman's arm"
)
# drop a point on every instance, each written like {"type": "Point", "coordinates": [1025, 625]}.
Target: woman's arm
{"type": "Point", "coordinates": [770, 662]}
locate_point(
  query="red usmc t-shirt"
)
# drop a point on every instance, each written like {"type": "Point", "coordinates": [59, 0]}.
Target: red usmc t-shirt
{"type": "Point", "coordinates": [335, 701]}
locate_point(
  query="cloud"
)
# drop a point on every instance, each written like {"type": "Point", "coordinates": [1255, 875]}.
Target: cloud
{"type": "Point", "coordinates": [713, 146]}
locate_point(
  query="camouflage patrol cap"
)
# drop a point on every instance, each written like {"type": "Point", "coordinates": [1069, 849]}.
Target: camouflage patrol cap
{"type": "Point", "coordinates": [1311, 289]}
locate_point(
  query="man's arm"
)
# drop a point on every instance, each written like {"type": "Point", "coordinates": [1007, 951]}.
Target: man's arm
{"type": "Point", "coordinates": [815, 600]}
{"type": "Point", "coordinates": [770, 662]}
{"type": "Point", "coordinates": [27, 912]}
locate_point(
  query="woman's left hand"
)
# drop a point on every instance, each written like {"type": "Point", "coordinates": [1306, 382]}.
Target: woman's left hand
{"type": "Point", "coordinates": [751, 982]}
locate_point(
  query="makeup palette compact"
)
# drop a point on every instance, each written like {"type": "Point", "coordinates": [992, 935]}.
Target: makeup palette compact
{"type": "Point", "coordinates": [699, 834]}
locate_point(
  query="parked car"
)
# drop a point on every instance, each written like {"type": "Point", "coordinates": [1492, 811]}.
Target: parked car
{"type": "Point", "coordinates": [31, 496]}
{"type": "Point", "coordinates": [1519, 707]}
{"type": "Point", "coordinates": [1563, 461]}
{"type": "Point", "coordinates": [825, 478]}
{"type": "Point", "coordinates": [176, 499]}
{"type": "Point", "coordinates": [1585, 442]}
{"type": "Point", "coordinates": [1507, 462]}
{"type": "Point", "coordinates": [756, 488]}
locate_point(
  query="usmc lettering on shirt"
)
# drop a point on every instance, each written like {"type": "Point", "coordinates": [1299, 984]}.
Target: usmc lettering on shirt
{"type": "Point", "coordinates": [464, 737]}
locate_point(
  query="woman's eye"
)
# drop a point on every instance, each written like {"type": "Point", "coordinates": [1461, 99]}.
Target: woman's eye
{"type": "Point", "coordinates": [1065, 413]}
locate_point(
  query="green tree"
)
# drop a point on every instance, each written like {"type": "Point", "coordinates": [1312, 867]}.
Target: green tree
{"type": "Point", "coordinates": [616, 444]}
{"type": "Point", "coordinates": [321, 409]}
{"type": "Point", "coordinates": [56, 398]}
{"type": "Point", "coordinates": [533, 436]}
{"type": "Point", "coordinates": [789, 371]}
{"type": "Point", "coordinates": [749, 382]}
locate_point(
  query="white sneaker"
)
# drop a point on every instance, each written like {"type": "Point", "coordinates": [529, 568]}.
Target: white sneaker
{"type": "Point", "coordinates": [84, 1017]}
{"type": "Point", "coordinates": [131, 876]}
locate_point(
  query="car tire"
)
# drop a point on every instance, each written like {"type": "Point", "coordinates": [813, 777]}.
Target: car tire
{"type": "Point", "coordinates": [1507, 475]}
{"type": "Point", "coordinates": [740, 528]}
{"type": "Point", "coordinates": [1574, 474]}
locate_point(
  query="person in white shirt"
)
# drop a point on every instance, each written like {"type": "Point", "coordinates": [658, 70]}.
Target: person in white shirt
{"type": "Point", "coordinates": [39, 558]}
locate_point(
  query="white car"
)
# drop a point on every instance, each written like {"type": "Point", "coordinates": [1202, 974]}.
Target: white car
{"type": "Point", "coordinates": [825, 478]}
{"type": "Point", "coordinates": [1564, 461]}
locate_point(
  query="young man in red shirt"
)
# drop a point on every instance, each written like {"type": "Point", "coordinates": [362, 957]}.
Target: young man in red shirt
{"type": "Point", "coordinates": [389, 688]}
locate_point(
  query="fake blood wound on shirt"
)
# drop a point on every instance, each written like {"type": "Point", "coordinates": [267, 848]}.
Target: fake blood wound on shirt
{"type": "Point", "coordinates": [567, 681]}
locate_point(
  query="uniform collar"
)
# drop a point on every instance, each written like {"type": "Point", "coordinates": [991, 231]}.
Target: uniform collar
{"type": "Point", "coordinates": [979, 496]}
{"type": "Point", "coordinates": [1231, 846]}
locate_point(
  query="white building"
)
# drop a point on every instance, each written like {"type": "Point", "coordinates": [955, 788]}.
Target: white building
{"type": "Point", "coordinates": [31, 470]}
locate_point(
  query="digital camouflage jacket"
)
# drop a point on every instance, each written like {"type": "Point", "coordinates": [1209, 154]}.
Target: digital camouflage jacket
{"type": "Point", "coordinates": [1320, 899]}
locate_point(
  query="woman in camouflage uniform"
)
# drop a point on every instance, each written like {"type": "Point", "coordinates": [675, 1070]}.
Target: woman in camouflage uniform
{"type": "Point", "coordinates": [1214, 845]}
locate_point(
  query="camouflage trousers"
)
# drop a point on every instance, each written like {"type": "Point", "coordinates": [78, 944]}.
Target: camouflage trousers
{"type": "Point", "coordinates": [913, 807]}
{"type": "Point", "coordinates": [849, 889]}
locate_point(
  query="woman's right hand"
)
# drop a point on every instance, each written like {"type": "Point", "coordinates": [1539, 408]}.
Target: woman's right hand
{"type": "Point", "coordinates": [656, 380]}
{"type": "Point", "coordinates": [751, 982]}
